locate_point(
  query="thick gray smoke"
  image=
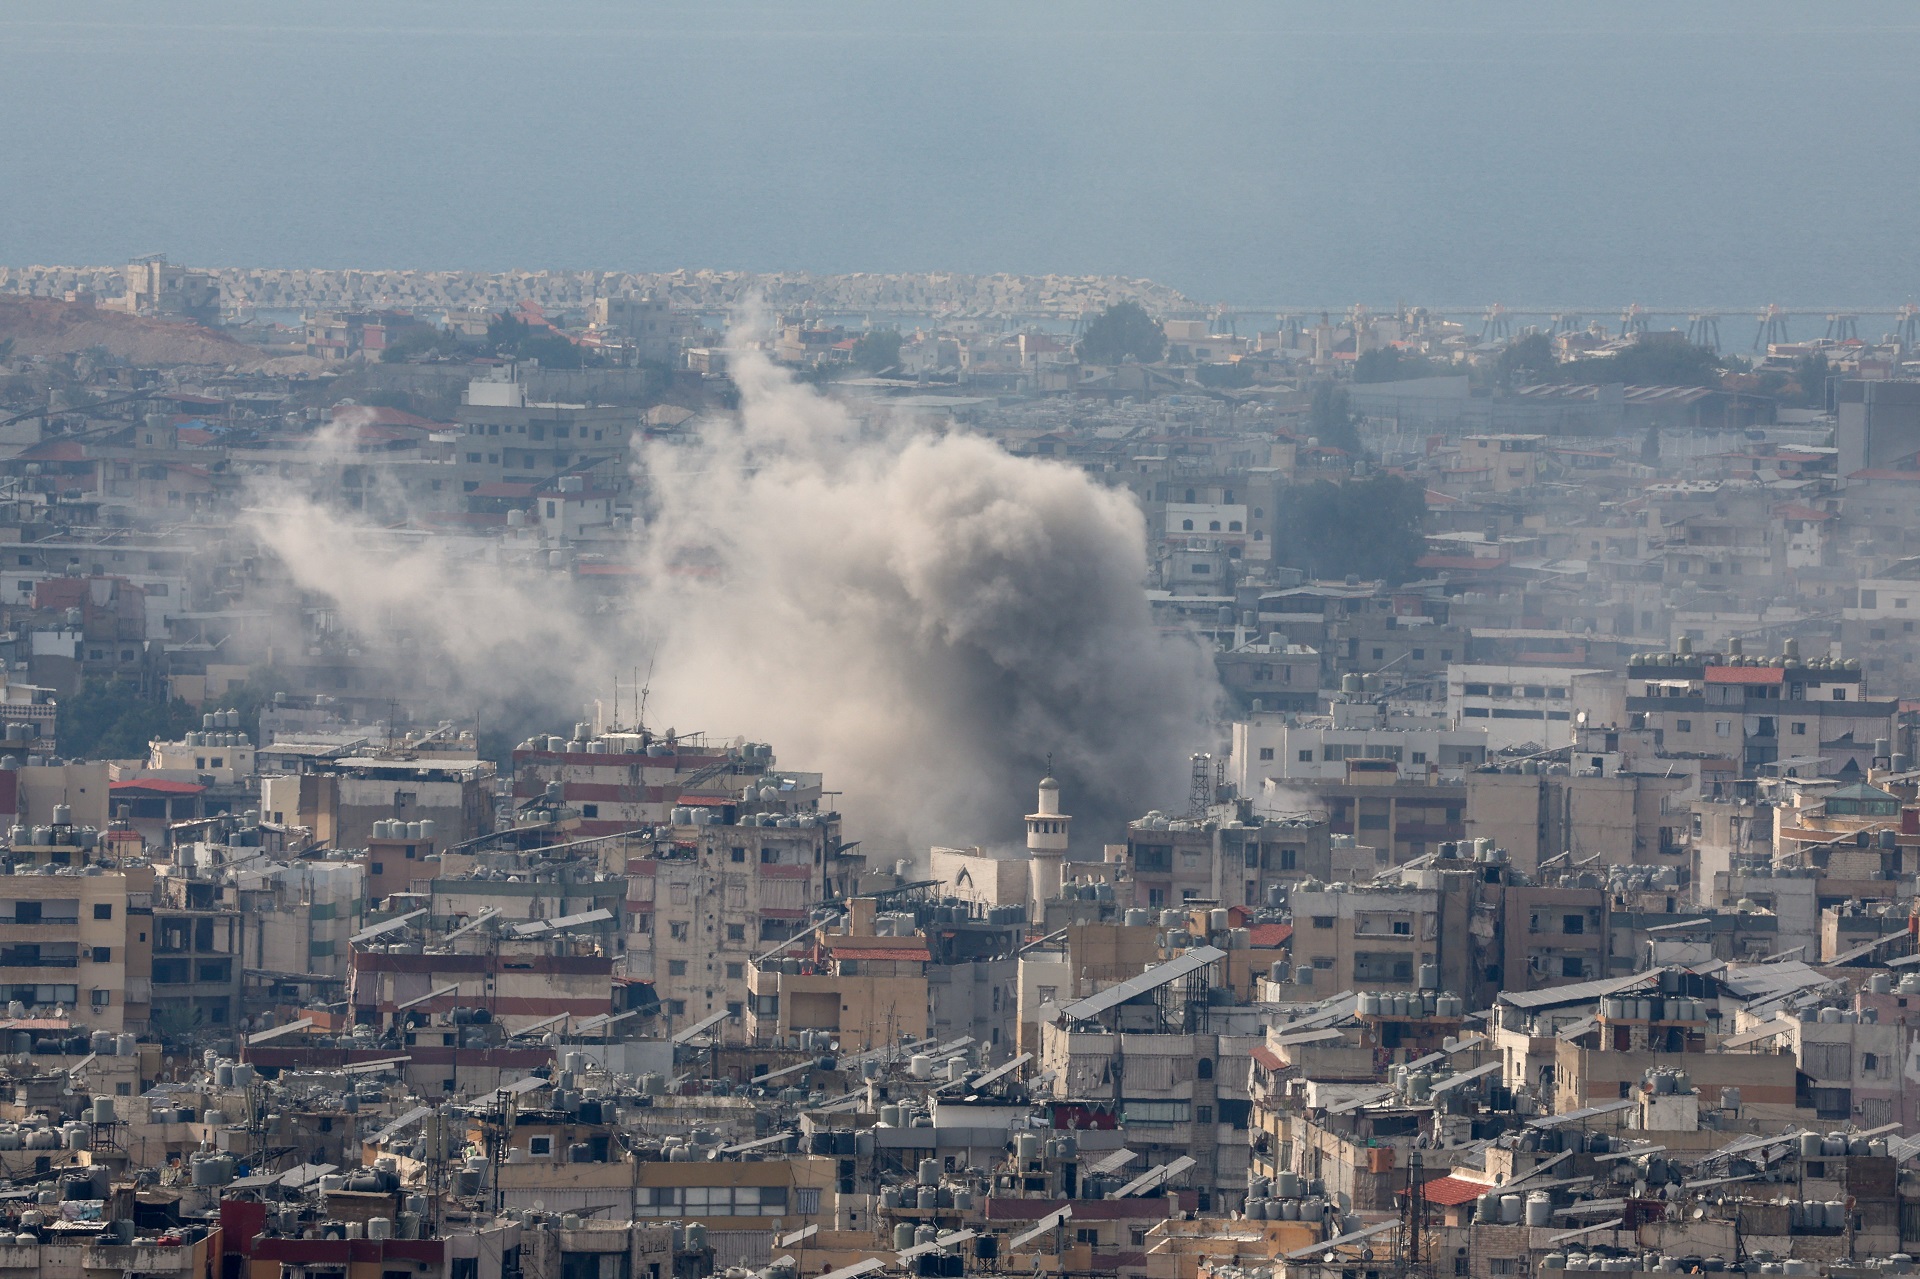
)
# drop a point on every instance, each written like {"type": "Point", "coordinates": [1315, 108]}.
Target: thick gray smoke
{"type": "Point", "coordinates": [921, 616]}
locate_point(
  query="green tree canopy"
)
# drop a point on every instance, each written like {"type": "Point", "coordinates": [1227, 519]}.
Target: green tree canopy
{"type": "Point", "coordinates": [520, 341]}
{"type": "Point", "coordinates": [1811, 372]}
{"type": "Point", "coordinates": [1330, 421]}
{"type": "Point", "coordinates": [1651, 361]}
{"type": "Point", "coordinates": [877, 350]}
{"type": "Point", "coordinates": [1391, 364]}
{"type": "Point", "coordinates": [421, 339]}
{"type": "Point", "coordinates": [108, 719]}
{"type": "Point", "coordinates": [1374, 528]}
{"type": "Point", "coordinates": [1526, 360]}
{"type": "Point", "coordinates": [1124, 331]}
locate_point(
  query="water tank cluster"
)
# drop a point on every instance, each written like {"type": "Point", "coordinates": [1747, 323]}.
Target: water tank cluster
{"type": "Point", "coordinates": [1288, 1196]}
{"type": "Point", "coordinates": [1830, 1016]}
{"type": "Point", "coordinates": [1815, 1214]}
{"type": "Point", "coordinates": [62, 833]}
{"type": "Point", "coordinates": [45, 1134]}
{"type": "Point", "coordinates": [906, 1116]}
{"type": "Point", "coordinates": [1665, 1008]}
{"type": "Point", "coordinates": [1411, 1003]}
{"type": "Point", "coordinates": [1634, 879]}
{"type": "Point", "coordinates": [1835, 1145]}
{"type": "Point", "coordinates": [1611, 1261]}
{"type": "Point", "coordinates": [396, 829]}
{"type": "Point", "coordinates": [1667, 1081]}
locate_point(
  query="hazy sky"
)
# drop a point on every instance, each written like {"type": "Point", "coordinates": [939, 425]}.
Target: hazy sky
{"type": "Point", "coordinates": [1587, 154]}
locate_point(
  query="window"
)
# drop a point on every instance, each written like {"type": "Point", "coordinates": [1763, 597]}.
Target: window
{"type": "Point", "coordinates": [1186, 526]}
{"type": "Point", "coordinates": [103, 954]}
{"type": "Point", "coordinates": [1306, 756]}
{"type": "Point", "coordinates": [676, 1008]}
{"type": "Point", "coordinates": [736, 932]}
{"type": "Point", "coordinates": [1323, 921]}
{"type": "Point", "coordinates": [736, 972]}
{"type": "Point", "coordinates": [1721, 728]}
{"type": "Point", "coordinates": [1839, 694]}
{"type": "Point", "coordinates": [1266, 752]}
{"type": "Point", "coordinates": [1203, 1114]}
{"type": "Point", "coordinates": [677, 929]}
{"type": "Point", "coordinates": [676, 968]}
{"type": "Point", "coordinates": [1683, 726]}
{"type": "Point", "coordinates": [102, 998]}
{"type": "Point", "coordinates": [1204, 1068]}
{"type": "Point", "coordinates": [103, 910]}
{"type": "Point", "coordinates": [1799, 728]}
{"type": "Point", "coordinates": [589, 810]}
{"type": "Point", "coordinates": [1573, 924]}
{"type": "Point", "coordinates": [737, 855]}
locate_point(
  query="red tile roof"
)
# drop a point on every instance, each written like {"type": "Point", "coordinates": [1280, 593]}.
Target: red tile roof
{"type": "Point", "coordinates": [1268, 936]}
{"type": "Point", "coordinates": [156, 786]}
{"type": "Point", "coordinates": [1745, 675]}
{"type": "Point", "coordinates": [1452, 1190]}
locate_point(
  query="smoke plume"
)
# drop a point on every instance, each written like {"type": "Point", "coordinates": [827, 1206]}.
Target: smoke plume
{"type": "Point", "coordinates": [917, 614]}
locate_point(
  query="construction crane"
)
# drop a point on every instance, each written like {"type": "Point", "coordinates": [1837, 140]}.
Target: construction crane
{"type": "Point", "coordinates": [1633, 321]}
{"type": "Point", "coordinates": [1842, 327]}
{"type": "Point", "coordinates": [1496, 326]}
{"type": "Point", "coordinates": [1773, 327]}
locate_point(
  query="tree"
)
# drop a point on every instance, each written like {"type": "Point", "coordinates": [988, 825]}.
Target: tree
{"type": "Point", "coordinates": [1812, 372]}
{"type": "Point", "coordinates": [518, 340]}
{"type": "Point", "coordinates": [422, 339]}
{"type": "Point", "coordinates": [113, 720]}
{"type": "Point", "coordinates": [1330, 421]}
{"type": "Point", "coordinates": [1122, 332]}
{"type": "Point", "coordinates": [1526, 360]}
{"type": "Point", "coordinates": [1373, 528]}
{"type": "Point", "coordinates": [1651, 361]}
{"type": "Point", "coordinates": [1391, 364]}
{"type": "Point", "coordinates": [877, 350]}
{"type": "Point", "coordinates": [1230, 376]}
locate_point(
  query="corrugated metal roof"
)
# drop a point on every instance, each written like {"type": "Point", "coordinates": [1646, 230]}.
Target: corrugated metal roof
{"type": "Point", "coordinates": [1153, 979]}
{"type": "Point", "coordinates": [1576, 992]}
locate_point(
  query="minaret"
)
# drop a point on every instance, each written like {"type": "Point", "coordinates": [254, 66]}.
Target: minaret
{"type": "Point", "coordinates": [1046, 845]}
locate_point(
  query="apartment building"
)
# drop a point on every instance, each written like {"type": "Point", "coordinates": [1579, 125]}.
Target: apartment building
{"type": "Point", "coordinates": [1769, 715]}
{"type": "Point", "coordinates": [707, 898]}
{"type": "Point", "coordinates": [76, 935]}
{"type": "Point", "coordinates": [622, 781]}
{"type": "Point", "coordinates": [1517, 705]}
{"type": "Point", "coordinates": [1384, 938]}
{"type": "Point", "coordinates": [1271, 745]}
{"type": "Point", "coordinates": [1232, 857]}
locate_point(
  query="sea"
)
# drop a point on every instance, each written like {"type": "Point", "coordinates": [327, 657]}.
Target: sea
{"type": "Point", "coordinates": [1717, 155]}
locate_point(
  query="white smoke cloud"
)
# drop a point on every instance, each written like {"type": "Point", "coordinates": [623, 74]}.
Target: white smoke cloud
{"type": "Point", "coordinates": [919, 615]}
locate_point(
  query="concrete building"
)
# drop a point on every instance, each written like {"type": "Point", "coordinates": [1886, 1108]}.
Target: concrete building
{"type": "Point", "coordinates": [1517, 705]}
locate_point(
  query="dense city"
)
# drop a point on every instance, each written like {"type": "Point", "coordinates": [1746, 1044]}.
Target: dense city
{"type": "Point", "coordinates": [1466, 820]}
